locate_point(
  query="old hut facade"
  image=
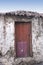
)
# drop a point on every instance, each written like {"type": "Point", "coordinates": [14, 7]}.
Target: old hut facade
{"type": "Point", "coordinates": [21, 37]}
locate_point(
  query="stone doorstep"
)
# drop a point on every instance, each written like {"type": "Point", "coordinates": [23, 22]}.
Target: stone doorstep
{"type": "Point", "coordinates": [18, 61]}
{"type": "Point", "coordinates": [24, 60]}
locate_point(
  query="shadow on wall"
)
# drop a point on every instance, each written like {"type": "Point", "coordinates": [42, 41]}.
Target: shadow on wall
{"type": "Point", "coordinates": [9, 53]}
{"type": "Point", "coordinates": [0, 54]}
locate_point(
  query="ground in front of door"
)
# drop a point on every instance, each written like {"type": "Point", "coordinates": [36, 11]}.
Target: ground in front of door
{"type": "Point", "coordinates": [19, 62]}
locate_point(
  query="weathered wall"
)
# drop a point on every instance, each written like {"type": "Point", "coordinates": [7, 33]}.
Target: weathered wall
{"type": "Point", "coordinates": [37, 38]}
{"type": "Point", "coordinates": [6, 34]}
{"type": "Point", "coordinates": [2, 41]}
{"type": "Point", "coordinates": [9, 34]}
{"type": "Point", "coordinates": [7, 40]}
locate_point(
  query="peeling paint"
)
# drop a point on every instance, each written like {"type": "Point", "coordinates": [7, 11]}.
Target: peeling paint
{"type": "Point", "coordinates": [7, 38]}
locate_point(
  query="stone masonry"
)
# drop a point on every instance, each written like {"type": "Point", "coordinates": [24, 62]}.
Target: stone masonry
{"type": "Point", "coordinates": [7, 36]}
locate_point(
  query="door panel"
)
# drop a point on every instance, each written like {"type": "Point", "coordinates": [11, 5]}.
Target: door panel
{"type": "Point", "coordinates": [22, 39]}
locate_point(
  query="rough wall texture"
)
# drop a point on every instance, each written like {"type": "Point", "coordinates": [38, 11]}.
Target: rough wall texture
{"type": "Point", "coordinates": [7, 39]}
{"type": "Point", "coordinates": [2, 41]}
{"type": "Point", "coordinates": [6, 34]}
{"type": "Point", "coordinates": [37, 38]}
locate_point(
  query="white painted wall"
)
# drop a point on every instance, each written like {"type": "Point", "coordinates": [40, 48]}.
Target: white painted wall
{"type": "Point", "coordinates": [1, 33]}
{"type": "Point", "coordinates": [37, 38]}
{"type": "Point", "coordinates": [7, 36]}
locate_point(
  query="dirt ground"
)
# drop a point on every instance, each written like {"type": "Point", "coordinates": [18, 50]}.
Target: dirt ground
{"type": "Point", "coordinates": [26, 63]}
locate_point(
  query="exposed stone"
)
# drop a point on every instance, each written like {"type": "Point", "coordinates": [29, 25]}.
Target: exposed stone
{"type": "Point", "coordinates": [7, 37]}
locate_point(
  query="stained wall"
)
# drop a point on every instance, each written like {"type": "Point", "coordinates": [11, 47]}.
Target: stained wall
{"type": "Point", "coordinates": [7, 39]}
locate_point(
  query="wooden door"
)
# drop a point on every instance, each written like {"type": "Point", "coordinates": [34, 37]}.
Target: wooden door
{"type": "Point", "coordinates": [23, 39]}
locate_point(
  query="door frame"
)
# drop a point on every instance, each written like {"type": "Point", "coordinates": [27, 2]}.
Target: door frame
{"type": "Point", "coordinates": [31, 53]}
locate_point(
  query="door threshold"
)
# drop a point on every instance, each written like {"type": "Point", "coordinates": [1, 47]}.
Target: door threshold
{"type": "Point", "coordinates": [26, 59]}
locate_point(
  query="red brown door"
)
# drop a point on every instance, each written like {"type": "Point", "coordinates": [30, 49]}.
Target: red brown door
{"type": "Point", "coordinates": [23, 39]}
